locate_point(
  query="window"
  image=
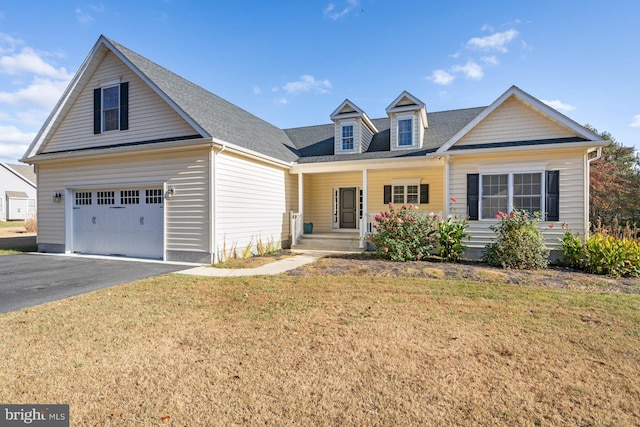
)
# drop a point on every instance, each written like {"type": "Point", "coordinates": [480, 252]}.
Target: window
{"type": "Point", "coordinates": [32, 205]}
{"type": "Point", "coordinates": [405, 132]}
{"type": "Point", "coordinates": [106, 197]}
{"type": "Point", "coordinates": [409, 194]}
{"type": "Point", "coordinates": [110, 108]}
{"type": "Point", "coordinates": [130, 197]}
{"type": "Point", "coordinates": [83, 198]}
{"type": "Point", "coordinates": [153, 196]}
{"type": "Point", "coordinates": [504, 192]}
{"type": "Point", "coordinates": [346, 137]}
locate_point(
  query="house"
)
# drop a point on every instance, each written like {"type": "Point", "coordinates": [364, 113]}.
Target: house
{"type": "Point", "coordinates": [17, 192]}
{"type": "Point", "coordinates": [137, 161]}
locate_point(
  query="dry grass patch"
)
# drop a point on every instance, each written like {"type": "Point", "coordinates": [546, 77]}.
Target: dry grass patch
{"type": "Point", "coordinates": [328, 351]}
{"type": "Point", "coordinates": [253, 262]}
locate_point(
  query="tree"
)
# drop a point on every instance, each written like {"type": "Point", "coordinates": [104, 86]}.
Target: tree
{"type": "Point", "coordinates": [615, 184]}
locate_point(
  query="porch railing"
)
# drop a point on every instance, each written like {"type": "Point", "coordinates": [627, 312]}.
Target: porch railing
{"type": "Point", "coordinates": [297, 226]}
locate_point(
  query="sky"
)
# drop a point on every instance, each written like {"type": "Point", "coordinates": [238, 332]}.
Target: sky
{"type": "Point", "coordinates": [292, 62]}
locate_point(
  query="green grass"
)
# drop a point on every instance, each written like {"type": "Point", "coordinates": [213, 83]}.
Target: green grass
{"type": "Point", "coordinates": [13, 251]}
{"type": "Point", "coordinates": [11, 224]}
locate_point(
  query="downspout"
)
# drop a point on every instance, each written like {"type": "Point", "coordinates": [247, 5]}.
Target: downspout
{"type": "Point", "coordinates": [212, 201]}
{"type": "Point", "coordinates": [587, 188]}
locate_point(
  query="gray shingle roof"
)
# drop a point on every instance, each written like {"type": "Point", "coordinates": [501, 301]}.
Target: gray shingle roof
{"type": "Point", "coordinates": [218, 117]}
{"type": "Point", "coordinates": [316, 143]}
{"type": "Point", "coordinates": [228, 122]}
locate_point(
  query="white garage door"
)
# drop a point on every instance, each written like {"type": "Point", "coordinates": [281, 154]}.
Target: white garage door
{"type": "Point", "coordinates": [126, 222]}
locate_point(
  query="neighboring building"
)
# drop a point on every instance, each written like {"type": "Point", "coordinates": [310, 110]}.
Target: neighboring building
{"type": "Point", "coordinates": [137, 161]}
{"type": "Point", "coordinates": [17, 192]}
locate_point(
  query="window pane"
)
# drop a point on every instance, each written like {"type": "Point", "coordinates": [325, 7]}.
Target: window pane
{"type": "Point", "coordinates": [412, 194]}
{"type": "Point", "coordinates": [495, 195]}
{"type": "Point", "coordinates": [527, 192]}
{"type": "Point", "coordinates": [111, 107]}
{"type": "Point", "coordinates": [347, 137]}
{"type": "Point", "coordinates": [405, 132]}
{"type": "Point", "coordinates": [398, 194]}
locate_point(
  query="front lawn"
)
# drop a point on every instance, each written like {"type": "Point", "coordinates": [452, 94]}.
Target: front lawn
{"type": "Point", "coordinates": [345, 350]}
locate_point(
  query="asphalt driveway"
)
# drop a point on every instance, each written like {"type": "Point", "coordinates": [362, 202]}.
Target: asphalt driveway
{"type": "Point", "coordinates": [30, 279]}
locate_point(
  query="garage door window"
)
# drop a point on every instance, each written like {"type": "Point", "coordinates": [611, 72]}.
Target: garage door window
{"type": "Point", "coordinates": [130, 197]}
{"type": "Point", "coordinates": [106, 197]}
{"type": "Point", "coordinates": [153, 196]}
{"type": "Point", "coordinates": [83, 198]}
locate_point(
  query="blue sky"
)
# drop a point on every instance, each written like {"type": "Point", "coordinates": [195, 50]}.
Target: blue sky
{"type": "Point", "coordinates": [293, 62]}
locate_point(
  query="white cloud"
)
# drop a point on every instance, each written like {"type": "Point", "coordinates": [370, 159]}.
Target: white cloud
{"type": "Point", "coordinates": [636, 121]}
{"type": "Point", "coordinates": [14, 142]}
{"type": "Point", "coordinates": [331, 12]}
{"type": "Point", "coordinates": [8, 43]}
{"type": "Point", "coordinates": [307, 83]}
{"type": "Point", "coordinates": [84, 17]}
{"type": "Point", "coordinates": [442, 77]}
{"type": "Point", "coordinates": [489, 60]}
{"type": "Point", "coordinates": [486, 27]}
{"type": "Point", "coordinates": [494, 42]}
{"type": "Point", "coordinates": [559, 105]}
{"type": "Point", "coordinates": [282, 101]}
{"type": "Point", "coordinates": [471, 70]}
{"type": "Point", "coordinates": [28, 61]}
{"type": "Point", "coordinates": [42, 92]}
{"type": "Point", "coordinates": [257, 90]}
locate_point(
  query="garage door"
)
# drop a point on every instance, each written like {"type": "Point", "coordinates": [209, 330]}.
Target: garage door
{"type": "Point", "coordinates": [125, 222]}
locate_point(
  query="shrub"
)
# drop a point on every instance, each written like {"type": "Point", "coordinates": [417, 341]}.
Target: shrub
{"type": "Point", "coordinates": [519, 244]}
{"type": "Point", "coordinates": [615, 255]}
{"type": "Point", "coordinates": [31, 223]}
{"type": "Point", "coordinates": [403, 234]}
{"type": "Point", "coordinates": [451, 233]}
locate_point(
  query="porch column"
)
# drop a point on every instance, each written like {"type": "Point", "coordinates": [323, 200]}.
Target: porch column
{"type": "Point", "coordinates": [301, 195]}
{"type": "Point", "coordinates": [365, 203]}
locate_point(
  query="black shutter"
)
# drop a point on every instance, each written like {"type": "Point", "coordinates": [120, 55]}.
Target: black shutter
{"type": "Point", "coordinates": [97, 110]}
{"type": "Point", "coordinates": [424, 193]}
{"type": "Point", "coordinates": [387, 194]}
{"type": "Point", "coordinates": [553, 195]}
{"type": "Point", "coordinates": [473, 195]}
{"type": "Point", "coordinates": [124, 106]}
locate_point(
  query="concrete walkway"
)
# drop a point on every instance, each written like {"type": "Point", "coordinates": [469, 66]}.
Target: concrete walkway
{"type": "Point", "coordinates": [275, 267]}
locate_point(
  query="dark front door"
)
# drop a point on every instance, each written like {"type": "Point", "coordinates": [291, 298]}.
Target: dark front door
{"type": "Point", "coordinates": [348, 208]}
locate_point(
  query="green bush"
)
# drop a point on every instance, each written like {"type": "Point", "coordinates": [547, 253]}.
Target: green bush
{"type": "Point", "coordinates": [614, 255]}
{"type": "Point", "coordinates": [451, 233]}
{"type": "Point", "coordinates": [403, 234]}
{"type": "Point", "coordinates": [519, 244]}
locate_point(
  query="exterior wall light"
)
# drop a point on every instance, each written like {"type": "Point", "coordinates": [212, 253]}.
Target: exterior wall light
{"type": "Point", "coordinates": [169, 193]}
{"type": "Point", "coordinates": [57, 198]}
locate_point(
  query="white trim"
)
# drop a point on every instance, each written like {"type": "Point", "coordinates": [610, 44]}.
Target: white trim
{"type": "Point", "coordinates": [414, 140]}
{"type": "Point", "coordinates": [102, 110]}
{"type": "Point", "coordinates": [353, 137]}
{"type": "Point", "coordinates": [510, 188]}
{"type": "Point", "coordinates": [524, 167]}
{"type": "Point", "coordinates": [111, 83]}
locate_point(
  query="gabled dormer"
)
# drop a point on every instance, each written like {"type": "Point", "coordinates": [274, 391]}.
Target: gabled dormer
{"type": "Point", "coordinates": [353, 129]}
{"type": "Point", "coordinates": [408, 120]}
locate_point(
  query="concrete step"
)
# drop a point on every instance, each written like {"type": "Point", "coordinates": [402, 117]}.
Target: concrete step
{"type": "Point", "coordinates": [339, 242]}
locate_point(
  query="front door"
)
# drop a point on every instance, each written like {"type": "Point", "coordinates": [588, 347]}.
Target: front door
{"type": "Point", "coordinates": [348, 207]}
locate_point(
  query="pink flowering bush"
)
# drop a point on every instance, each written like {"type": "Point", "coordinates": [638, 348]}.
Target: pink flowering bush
{"type": "Point", "coordinates": [519, 243]}
{"type": "Point", "coordinates": [403, 234]}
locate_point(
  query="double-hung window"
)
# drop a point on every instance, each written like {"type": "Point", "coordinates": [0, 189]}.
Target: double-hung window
{"type": "Point", "coordinates": [406, 194]}
{"type": "Point", "coordinates": [405, 132]}
{"type": "Point", "coordinates": [507, 191]}
{"type": "Point", "coordinates": [346, 137]}
{"type": "Point", "coordinates": [110, 108]}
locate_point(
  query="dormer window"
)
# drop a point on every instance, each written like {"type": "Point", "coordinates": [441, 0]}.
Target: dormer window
{"type": "Point", "coordinates": [346, 140]}
{"type": "Point", "coordinates": [405, 132]}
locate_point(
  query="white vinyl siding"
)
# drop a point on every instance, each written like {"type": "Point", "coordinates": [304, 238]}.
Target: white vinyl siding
{"type": "Point", "coordinates": [149, 116]}
{"type": "Point", "coordinates": [571, 165]}
{"type": "Point", "coordinates": [514, 121]}
{"type": "Point", "coordinates": [251, 203]}
{"type": "Point", "coordinates": [187, 214]}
